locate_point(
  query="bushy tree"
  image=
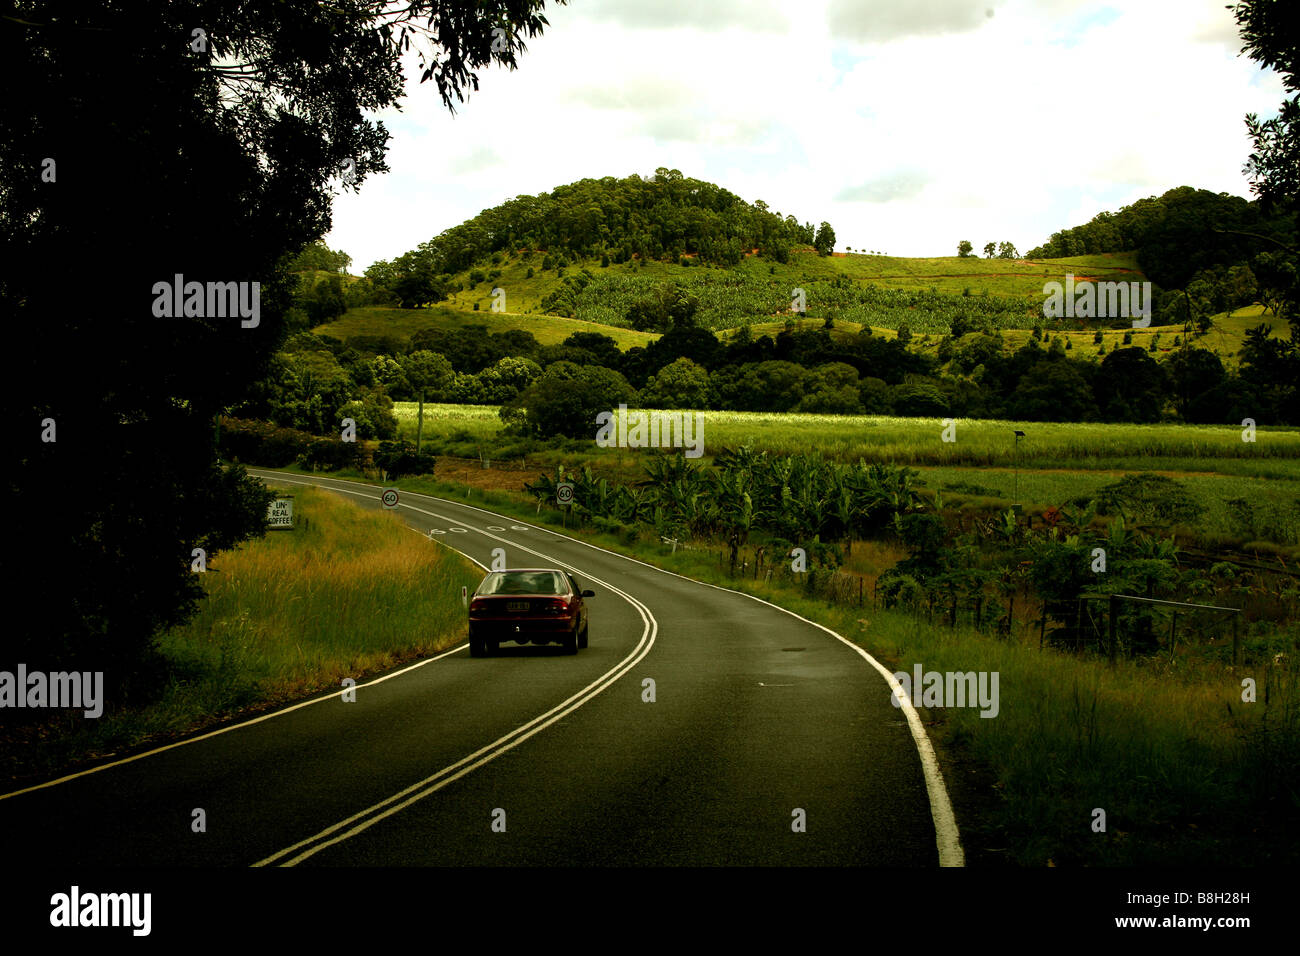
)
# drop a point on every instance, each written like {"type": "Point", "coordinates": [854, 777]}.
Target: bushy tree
{"type": "Point", "coordinates": [426, 372]}
{"type": "Point", "coordinates": [831, 389]}
{"type": "Point", "coordinates": [1052, 391]}
{"type": "Point", "coordinates": [824, 241]}
{"type": "Point", "coordinates": [681, 384]}
{"type": "Point", "coordinates": [566, 400]}
{"type": "Point", "coordinates": [504, 381]}
{"type": "Point", "coordinates": [1131, 386]}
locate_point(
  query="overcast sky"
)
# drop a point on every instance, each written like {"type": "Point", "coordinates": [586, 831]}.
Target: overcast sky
{"type": "Point", "coordinates": [907, 124]}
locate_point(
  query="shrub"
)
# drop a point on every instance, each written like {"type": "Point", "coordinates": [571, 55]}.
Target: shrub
{"type": "Point", "coordinates": [262, 443]}
{"type": "Point", "coordinates": [895, 589]}
{"type": "Point", "coordinates": [331, 454]}
{"type": "Point", "coordinates": [1149, 497]}
{"type": "Point", "coordinates": [398, 459]}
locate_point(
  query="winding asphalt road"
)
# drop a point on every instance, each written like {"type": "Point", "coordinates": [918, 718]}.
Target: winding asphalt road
{"type": "Point", "coordinates": [769, 741]}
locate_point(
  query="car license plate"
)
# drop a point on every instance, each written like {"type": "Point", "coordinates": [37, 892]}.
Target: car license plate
{"type": "Point", "coordinates": [516, 605]}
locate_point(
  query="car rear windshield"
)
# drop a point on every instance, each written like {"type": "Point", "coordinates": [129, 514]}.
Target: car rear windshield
{"type": "Point", "coordinates": [524, 582]}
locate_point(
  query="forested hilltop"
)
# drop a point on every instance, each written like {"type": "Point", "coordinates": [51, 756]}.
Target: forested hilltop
{"type": "Point", "coordinates": [1220, 249]}
{"type": "Point", "coordinates": [668, 215]}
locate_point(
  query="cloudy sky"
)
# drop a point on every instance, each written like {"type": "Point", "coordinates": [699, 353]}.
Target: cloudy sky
{"type": "Point", "coordinates": [907, 125]}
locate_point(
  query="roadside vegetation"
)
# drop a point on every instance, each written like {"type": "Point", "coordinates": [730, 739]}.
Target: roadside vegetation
{"type": "Point", "coordinates": [346, 593]}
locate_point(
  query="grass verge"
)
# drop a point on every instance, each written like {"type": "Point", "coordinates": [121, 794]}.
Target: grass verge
{"type": "Point", "coordinates": [347, 593]}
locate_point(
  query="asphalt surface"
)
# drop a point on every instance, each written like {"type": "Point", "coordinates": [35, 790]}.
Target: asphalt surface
{"type": "Point", "coordinates": [535, 757]}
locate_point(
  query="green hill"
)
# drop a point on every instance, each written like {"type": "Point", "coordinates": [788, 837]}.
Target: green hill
{"type": "Point", "coordinates": [590, 255]}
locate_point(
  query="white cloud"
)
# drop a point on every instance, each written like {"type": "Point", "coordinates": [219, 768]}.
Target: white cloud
{"type": "Point", "coordinates": [903, 184]}
{"type": "Point", "coordinates": [759, 15]}
{"type": "Point", "coordinates": [881, 22]}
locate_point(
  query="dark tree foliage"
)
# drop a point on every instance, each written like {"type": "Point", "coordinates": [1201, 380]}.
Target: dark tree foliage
{"type": "Point", "coordinates": [700, 346]}
{"type": "Point", "coordinates": [135, 150]}
{"type": "Point", "coordinates": [472, 348]}
{"type": "Point", "coordinates": [602, 348]}
{"type": "Point", "coordinates": [1270, 367]}
{"type": "Point", "coordinates": [1176, 235]}
{"type": "Point", "coordinates": [1192, 374]}
{"type": "Point", "coordinates": [1131, 386]}
{"type": "Point", "coordinates": [1271, 31]}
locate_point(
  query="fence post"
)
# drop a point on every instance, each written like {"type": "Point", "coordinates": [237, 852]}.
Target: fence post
{"type": "Point", "coordinates": [1112, 627]}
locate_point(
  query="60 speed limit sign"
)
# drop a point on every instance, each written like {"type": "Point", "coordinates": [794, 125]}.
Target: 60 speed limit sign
{"type": "Point", "coordinates": [389, 498]}
{"type": "Point", "coordinates": [564, 493]}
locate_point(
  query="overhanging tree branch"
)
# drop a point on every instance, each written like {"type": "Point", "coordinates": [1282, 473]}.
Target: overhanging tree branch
{"type": "Point", "coordinates": [1255, 235]}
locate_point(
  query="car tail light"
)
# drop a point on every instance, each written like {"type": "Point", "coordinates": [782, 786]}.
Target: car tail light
{"type": "Point", "coordinates": [556, 606]}
{"type": "Point", "coordinates": [479, 604]}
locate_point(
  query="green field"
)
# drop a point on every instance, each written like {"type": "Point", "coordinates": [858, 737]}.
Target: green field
{"type": "Point", "coordinates": [1056, 463]}
{"type": "Point", "coordinates": [918, 441]}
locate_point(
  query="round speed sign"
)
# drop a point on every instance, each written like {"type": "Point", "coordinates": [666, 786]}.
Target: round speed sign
{"type": "Point", "coordinates": [564, 493]}
{"type": "Point", "coordinates": [389, 498]}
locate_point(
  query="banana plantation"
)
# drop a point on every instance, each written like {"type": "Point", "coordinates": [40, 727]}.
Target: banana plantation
{"type": "Point", "coordinates": [1049, 574]}
{"type": "Point", "coordinates": [798, 500]}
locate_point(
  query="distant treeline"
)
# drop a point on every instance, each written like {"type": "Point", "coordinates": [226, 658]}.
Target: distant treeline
{"type": "Point", "coordinates": [557, 389]}
{"type": "Point", "coordinates": [1218, 248]}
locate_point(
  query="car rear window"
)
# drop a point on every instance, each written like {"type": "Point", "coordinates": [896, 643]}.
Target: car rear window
{"type": "Point", "coordinates": [524, 582]}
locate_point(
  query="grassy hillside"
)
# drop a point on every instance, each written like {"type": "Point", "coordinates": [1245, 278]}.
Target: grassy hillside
{"type": "Point", "coordinates": [403, 323]}
{"type": "Point", "coordinates": [958, 281]}
{"type": "Point", "coordinates": [1020, 279]}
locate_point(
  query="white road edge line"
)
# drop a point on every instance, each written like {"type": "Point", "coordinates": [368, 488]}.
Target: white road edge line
{"type": "Point", "coordinates": [946, 834]}
{"type": "Point", "coordinates": [223, 730]}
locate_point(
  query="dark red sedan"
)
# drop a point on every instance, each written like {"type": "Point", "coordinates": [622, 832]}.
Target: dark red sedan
{"type": "Point", "coordinates": [528, 605]}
